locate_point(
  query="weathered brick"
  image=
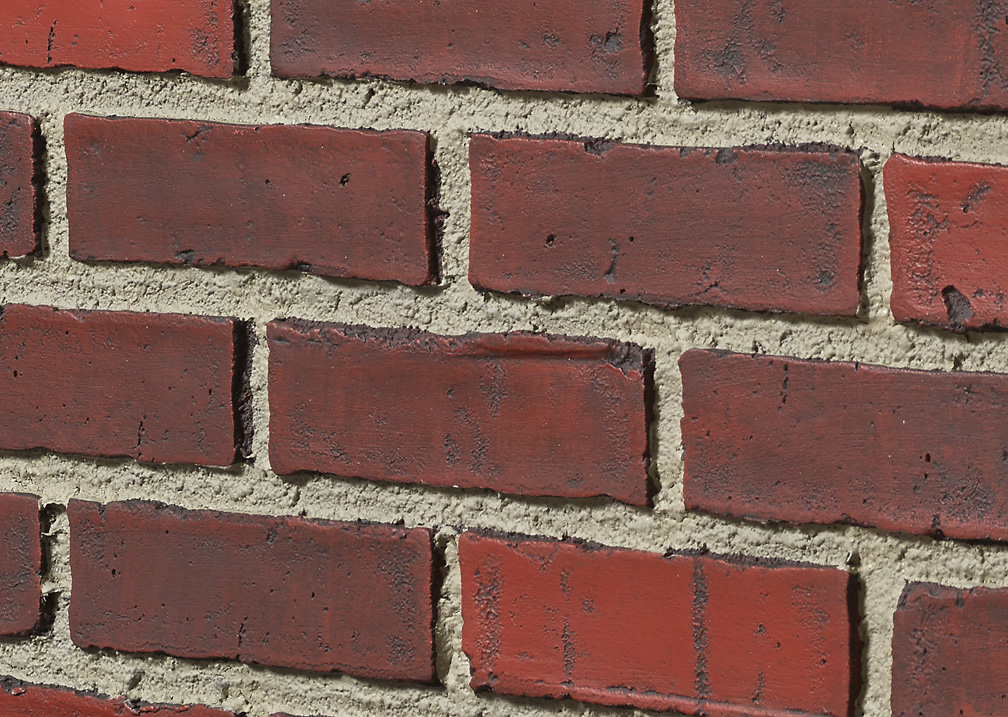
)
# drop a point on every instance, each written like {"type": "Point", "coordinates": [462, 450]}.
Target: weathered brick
{"type": "Point", "coordinates": [342, 203]}
{"type": "Point", "coordinates": [756, 229]}
{"type": "Point", "coordinates": [698, 634]}
{"type": "Point", "coordinates": [18, 699]}
{"type": "Point", "coordinates": [947, 242]}
{"type": "Point", "coordinates": [949, 655]}
{"type": "Point", "coordinates": [515, 45]}
{"type": "Point", "coordinates": [516, 413]}
{"type": "Point", "coordinates": [776, 438]}
{"type": "Point", "coordinates": [277, 591]}
{"type": "Point", "coordinates": [860, 51]}
{"type": "Point", "coordinates": [18, 202]}
{"type": "Point", "coordinates": [197, 36]}
{"type": "Point", "coordinates": [20, 564]}
{"type": "Point", "coordinates": [156, 387]}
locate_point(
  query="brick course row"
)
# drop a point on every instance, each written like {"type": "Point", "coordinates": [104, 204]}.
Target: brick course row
{"type": "Point", "coordinates": [636, 225]}
{"type": "Point", "coordinates": [863, 51]}
{"type": "Point", "coordinates": [541, 617]}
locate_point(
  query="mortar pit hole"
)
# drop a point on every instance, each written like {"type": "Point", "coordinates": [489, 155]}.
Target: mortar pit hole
{"type": "Point", "coordinates": [551, 240]}
{"type": "Point", "coordinates": [927, 457]}
{"type": "Point", "coordinates": [345, 179]}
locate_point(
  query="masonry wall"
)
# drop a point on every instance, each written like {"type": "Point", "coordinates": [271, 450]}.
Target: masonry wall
{"type": "Point", "coordinates": [483, 358]}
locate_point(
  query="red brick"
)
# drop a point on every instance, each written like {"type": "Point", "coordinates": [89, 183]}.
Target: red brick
{"type": "Point", "coordinates": [516, 413]}
{"type": "Point", "coordinates": [155, 387]}
{"type": "Point", "coordinates": [947, 242]}
{"type": "Point", "coordinates": [18, 202]}
{"type": "Point", "coordinates": [752, 229]}
{"type": "Point", "coordinates": [861, 51]}
{"type": "Point", "coordinates": [697, 634]}
{"type": "Point", "coordinates": [20, 564]}
{"type": "Point", "coordinates": [341, 203]}
{"type": "Point", "coordinates": [21, 700]}
{"type": "Point", "coordinates": [949, 654]}
{"type": "Point", "coordinates": [776, 438]}
{"type": "Point", "coordinates": [197, 36]}
{"type": "Point", "coordinates": [514, 45]}
{"type": "Point", "coordinates": [283, 592]}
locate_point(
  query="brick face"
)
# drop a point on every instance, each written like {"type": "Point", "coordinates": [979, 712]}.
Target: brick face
{"type": "Point", "coordinates": [192, 35]}
{"type": "Point", "coordinates": [743, 228]}
{"type": "Point", "coordinates": [949, 651]}
{"type": "Point", "coordinates": [697, 634]}
{"type": "Point", "coordinates": [517, 45]}
{"type": "Point", "coordinates": [776, 438]}
{"type": "Point", "coordinates": [283, 592]}
{"type": "Point", "coordinates": [861, 51]}
{"type": "Point", "coordinates": [21, 700]}
{"type": "Point", "coordinates": [521, 414]}
{"type": "Point", "coordinates": [947, 242]}
{"type": "Point", "coordinates": [340, 203]}
{"type": "Point", "coordinates": [155, 387]}
{"type": "Point", "coordinates": [18, 201]}
{"type": "Point", "coordinates": [20, 564]}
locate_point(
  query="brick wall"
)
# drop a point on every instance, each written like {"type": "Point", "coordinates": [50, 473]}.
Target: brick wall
{"type": "Point", "coordinates": [503, 358]}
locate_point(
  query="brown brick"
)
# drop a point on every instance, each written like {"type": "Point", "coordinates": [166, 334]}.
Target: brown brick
{"type": "Point", "coordinates": [948, 54]}
{"type": "Point", "coordinates": [20, 564]}
{"type": "Point", "coordinates": [947, 242]}
{"type": "Point", "coordinates": [18, 699]}
{"type": "Point", "coordinates": [517, 413]}
{"type": "Point", "coordinates": [696, 634]}
{"type": "Point", "coordinates": [156, 387]}
{"type": "Point", "coordinates": [514, 45]}
{"type": "Point", "coordinates": [949, 654]}
{"type": "Point", "coordinates": [18, 202]}
{"type": "Point", "coordinates": [776, 438]}
{"type": "Point", "coordinates": [197, 36]}
{"type": "Point", "coordinates": [283, 592]}
{"type": "Point", "coordinates": [752, 229]}
{"type": "Point", "coordinates": [341, 203]}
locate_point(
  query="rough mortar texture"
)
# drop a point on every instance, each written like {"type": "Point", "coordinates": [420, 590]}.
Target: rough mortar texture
{"type": "Point", "coordinates": [883, 563]}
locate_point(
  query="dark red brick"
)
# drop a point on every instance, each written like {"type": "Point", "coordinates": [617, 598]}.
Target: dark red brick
{"type": "Point", "coordinates": [18, 203]}
{"type": "Point", "coordinates": [696, 634]}
{"type": "Point", "coordinates": [949, 654]}
{"type": "Point", "coordinates": [948, 54]}
{"type": "Point", "coordinates": [155, 387]}
{"type": "Point", "coordinates": [197, 36]}
{"type": "Point", "coordinates": [283, 592]}
{"type": "Point", "coordinates": [776, 438]}
{"type": "Point", "coordinates": [749, 228]}
{"type": "Point", "coordinates": [20, 564]}
{"type": "Point", "coordinates": [341, 203]}
{"type": "Point", "coordinates": [516, 413]}
{"type": "Point", "coordinates": [947, 242]}
{"type": "Point", "coordinates": [21, 700]}
{"type": "Point", "coordinates": [515, 45]}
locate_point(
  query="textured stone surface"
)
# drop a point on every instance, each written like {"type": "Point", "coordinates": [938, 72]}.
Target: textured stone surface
{"type": "Point", "coordinates": [20, 564]}
{"type": "Point", "coordinates": [21, 700]}
{"type": "Point", "coordinates": [284, 592]}
{"type": "Point", "coordinates": [692, 633]}
{"type": "Point", "coordinates": [341, 203]}
{"type": "Point", "coordinates": [192, 35]}
{"type": "Point", "coordinates": [516, 45]}
{"type": "Point", "coordinates": [949, 651]}
{"type": "Point", "coordinates": [521, 414]}
{"type": "Point", "coordinates": [949, 242]}
{"type": "Point", "coordinates": [937, 53]}
{"type": "Point", "coordinates": [777, 438]}
{"type": "Point", "coordinates": [744, 228]}
{"type": "Point", "coordinates": [155, 387]}
{"type": "Point", "coordinates": [18, 202]}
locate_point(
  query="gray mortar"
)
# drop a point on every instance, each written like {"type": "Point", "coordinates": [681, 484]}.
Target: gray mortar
{"type": "Point", "coordinates": [882, 562]}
